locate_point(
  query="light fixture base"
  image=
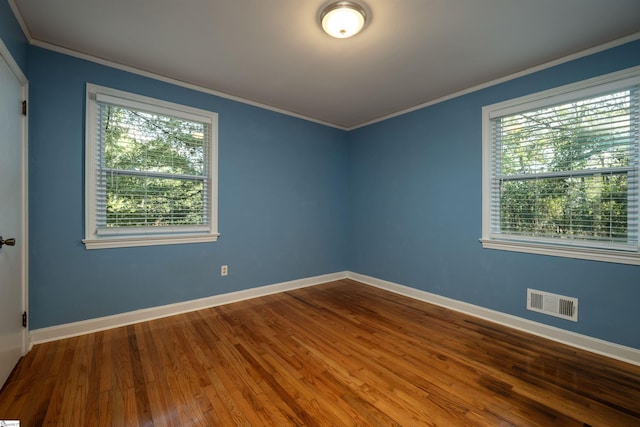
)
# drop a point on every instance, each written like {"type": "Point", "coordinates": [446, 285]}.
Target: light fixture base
{"type": "Point", "coordinates": [343, 19]}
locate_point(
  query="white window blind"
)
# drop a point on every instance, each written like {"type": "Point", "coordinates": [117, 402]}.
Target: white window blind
{"type": "Point", "coordinates": [563, 168]}
{"type": "Point", "coordinates": [152, 169]}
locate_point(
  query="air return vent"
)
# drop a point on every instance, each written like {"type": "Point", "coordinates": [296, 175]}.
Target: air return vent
{"type": "Point", "coordinates": [552, 304]}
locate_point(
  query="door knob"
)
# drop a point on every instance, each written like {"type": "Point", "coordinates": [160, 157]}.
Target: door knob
{"type": "Point", "coordinates": [8, 242]}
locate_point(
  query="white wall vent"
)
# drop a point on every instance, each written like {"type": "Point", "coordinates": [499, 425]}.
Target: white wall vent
{"type": "Point", "coordinates": [552, 304]}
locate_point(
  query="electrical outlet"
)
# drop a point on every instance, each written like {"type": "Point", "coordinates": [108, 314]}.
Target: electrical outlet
{"type": "Point", "coordinates": [224, 270]}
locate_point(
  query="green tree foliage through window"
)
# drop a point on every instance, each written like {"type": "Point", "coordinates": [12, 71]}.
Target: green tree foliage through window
{"type": "Point", "coordinates": [154, 169]}
{"type": "Point", "coordinates": [563, 171]}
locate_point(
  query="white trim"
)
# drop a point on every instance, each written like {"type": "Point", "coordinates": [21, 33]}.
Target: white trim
{"type": "Point", "coordinates": [126, 99]}
{"type": "Point", "coordinates": [18, 16]}
{"type": "Point", "coordinates": [25, 219]}
{"type": "Point", "coordinates": [609, 45]}
{"type": "Point", "coordinates": [593, 254]}
{"type": "Point", "coordinates": [38, 336]}
{"type": "Point", "coordinates": [24, 190]}
{"type": "Point", "coordinates": [129, 242]}
{"type": "Point", "coordinates": [116, 238]}
{"type": "Point", "coordinates": [176, 82]}
{"type": "Point", "coordinates": [623, 254]}
{"type": "Point", "coordinates": [13, 65]}
{"type": "Point", "coordinates": [120, 98]}
{"type": "Point", "coordinates": [535, 69]}
{"type": "Point", "coordinates": [594, 86]}
{"type": "Point", "coordinates": [584, 342]}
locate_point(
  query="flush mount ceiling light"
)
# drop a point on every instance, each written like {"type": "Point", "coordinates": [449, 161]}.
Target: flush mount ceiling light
{"type": "Point", "coordinates": [343, 19]}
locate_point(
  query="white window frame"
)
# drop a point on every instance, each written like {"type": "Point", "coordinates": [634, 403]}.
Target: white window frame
{"type": "Point", "coordinates": [568, 93]}
{"type": "Point", "coordinates": [168, 235]}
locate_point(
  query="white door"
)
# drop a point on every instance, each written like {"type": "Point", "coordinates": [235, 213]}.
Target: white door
{"type": "Point", "coordinates": [12, 220]}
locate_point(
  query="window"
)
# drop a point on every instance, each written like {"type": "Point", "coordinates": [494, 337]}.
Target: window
{"type": "Point", "coordinates": [560, 171]}
{"type": "Point", "coordinates": [151, 171]}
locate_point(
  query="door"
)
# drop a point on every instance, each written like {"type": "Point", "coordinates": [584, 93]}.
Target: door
{"type": "Point", "coordinates": [12, 218]}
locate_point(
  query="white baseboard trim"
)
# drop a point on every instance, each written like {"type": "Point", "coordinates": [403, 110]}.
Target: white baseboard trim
{"type": "Point", "coordinates": [52, 333]}
{"type": "Point", "coordinates": [584, 342]}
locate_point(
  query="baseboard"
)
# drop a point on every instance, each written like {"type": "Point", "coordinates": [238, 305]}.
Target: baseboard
{"type": "Point", "coordinates": [52, 333]}
{"type": "Point", "coordinates": [584, 342]}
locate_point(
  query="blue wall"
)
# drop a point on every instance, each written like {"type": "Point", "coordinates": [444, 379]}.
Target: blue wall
{"type": "Point", "coordinates": [298, 199]}
{"type": "Point", "coordinates": [12, 36]}
{"type": "Point", "coordinates": [416, 213]}
{"type": "Point", "coordinates": [282, 202]}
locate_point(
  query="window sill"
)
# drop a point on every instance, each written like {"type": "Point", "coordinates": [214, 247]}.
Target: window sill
{"type": "Point", "coordinates": [127, 242]}
{"type": "Point", "coordinates": [603, 255]}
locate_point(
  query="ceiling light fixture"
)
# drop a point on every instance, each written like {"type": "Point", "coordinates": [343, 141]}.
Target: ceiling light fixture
{"type": "Point", "coordinates": [343, 19]}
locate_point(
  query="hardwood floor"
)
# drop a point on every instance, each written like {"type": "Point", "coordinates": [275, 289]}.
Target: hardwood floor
{"type": "Point", "coordinates": [336, 354]}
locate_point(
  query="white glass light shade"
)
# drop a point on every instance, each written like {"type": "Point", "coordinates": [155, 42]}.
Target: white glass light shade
{"type": "Point", "coordinates": [343, 19]}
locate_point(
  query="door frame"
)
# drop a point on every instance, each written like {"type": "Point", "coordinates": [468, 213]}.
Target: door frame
{"type": "Point", "coordinates": [24, 190]}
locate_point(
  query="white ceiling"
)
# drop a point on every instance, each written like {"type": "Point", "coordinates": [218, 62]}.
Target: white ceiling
{"type": "Point", "coordinates": [274, 52]}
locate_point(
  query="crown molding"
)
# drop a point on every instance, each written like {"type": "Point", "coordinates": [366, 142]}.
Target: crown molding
{"type": "Point", "coordinates": [531, 70]}
{"type": "Point", "coordinates": [18, 16]}
{"type": "Point", "coordinates": [176, 82]}
{"type": "Point", "coordinates": [614, 43]}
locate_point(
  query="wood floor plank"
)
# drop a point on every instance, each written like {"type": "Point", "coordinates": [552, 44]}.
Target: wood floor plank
{"type": "Point", "coordinates": [341, 353]}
